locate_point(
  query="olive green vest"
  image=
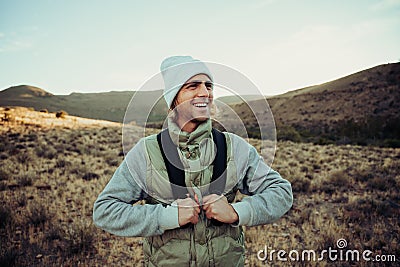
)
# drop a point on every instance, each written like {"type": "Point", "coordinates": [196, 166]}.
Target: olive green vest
{"type": "Point", "coordinates": [205, 244]}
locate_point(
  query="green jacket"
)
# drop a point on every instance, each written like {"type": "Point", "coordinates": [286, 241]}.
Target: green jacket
{"type": "Point", "coordinates": [143, 176]}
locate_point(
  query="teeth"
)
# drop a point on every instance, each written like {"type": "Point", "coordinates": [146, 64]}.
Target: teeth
{"type": "Point", "coordinates": [200, 105]}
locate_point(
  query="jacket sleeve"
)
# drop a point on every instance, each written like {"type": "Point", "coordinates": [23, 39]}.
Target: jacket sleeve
{"type": "Point", "coordinates": [115, 210]}
{"type": "Point", "coordinates": [269, 195]}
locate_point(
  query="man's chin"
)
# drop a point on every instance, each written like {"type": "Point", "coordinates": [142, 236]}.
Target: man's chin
{"type": "Point", "coordinates": [200, 119]}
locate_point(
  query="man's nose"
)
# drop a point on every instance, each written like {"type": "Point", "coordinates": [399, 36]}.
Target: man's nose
{"type": "Point", "coordinates": [202, 90]}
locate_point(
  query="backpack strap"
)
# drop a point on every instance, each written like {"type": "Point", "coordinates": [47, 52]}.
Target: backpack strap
{"type": "Point", "coordinates": [218, 180]}
{"type": "Point", "coordinates": [173, 164]}
{"type": "Point", "coordinates": [175, 169]}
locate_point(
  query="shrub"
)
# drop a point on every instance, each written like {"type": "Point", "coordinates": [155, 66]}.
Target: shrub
{"type": "Point", "coordinates": [55, 232]}
{"type": "Point", "coordinates": [367, 209]}
{"type": "Point", "coordinates": [300, 184]}
{"type": "Point", "coordinates": [80, 238]}
{"type": "Point", "coordinates": [340, 178]}
{"type": "Point", "coordinates": [38, 214]}
{"type": "Point", "coordinates": [382, 183]}
{"type": "Point", "coordinates": [90, 176]}
{"type": "Point", "coordinates": [23, 157]}
{"type": "Point", "coordinates": [363, 175]}
{"type": "Point", "coordinates": [3, 186]}
{"type": "Point", "coordinates": [6, 216]}
{"type": "Point", "coordinates": [288, 133]}
{"type": "Point", "coordinates": [46, 151]}
{"type": "Point", "coordinates": [113, 161]}
{"type": "Point", "coordinates": [26, 179]}
{"type": "Point", "coordinates": [62, 163]}
{"type": "Point", "coordinates": [4, 174]}
{"type": "Point", "coordinates": [61, 114]}
{"type": "Point", "coordinates": [44, 110]}
{"type": "Point", "coordinates": [391, 143]}
{"type": "Point", "coordinates": [8, 255]}
{"type": "Point", "coordinates": [21, 200]}
{"type": "Point", "coordinates": [338, 181]}
{"type": "Point", "coordinates": [8, 117]}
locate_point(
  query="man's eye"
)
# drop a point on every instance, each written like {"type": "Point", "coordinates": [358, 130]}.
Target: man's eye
{"type": "Point", "coordinates": [209, 85]}
{"type": "Point", "coordinates": [192, 85]}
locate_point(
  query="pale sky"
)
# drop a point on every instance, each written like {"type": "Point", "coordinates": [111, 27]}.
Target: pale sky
{"type": "Point", "coordinates": [96, 46]}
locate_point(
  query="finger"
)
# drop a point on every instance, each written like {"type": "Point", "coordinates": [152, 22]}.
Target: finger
{"type": "Point", "coordinates": [211, 198]}
{"type": "Point", "coordinates": [209, 215]}
{"type": "Point", "coordinates": [207, 198]}
{"type": "Point", "coordinates": [197, 209]}
{"type": "Point", "coordinates": [194, 219]}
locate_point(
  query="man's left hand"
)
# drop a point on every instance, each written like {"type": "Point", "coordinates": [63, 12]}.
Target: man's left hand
{"type": "Point", "coordinates": [218, 208]}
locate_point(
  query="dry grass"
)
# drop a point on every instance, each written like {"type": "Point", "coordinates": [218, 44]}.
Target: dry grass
{"type": "Point", "coordinates": [51, 171]}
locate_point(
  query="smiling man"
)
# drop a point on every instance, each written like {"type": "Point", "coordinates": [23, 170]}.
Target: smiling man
{"type": "Point", "coordinates": [189, 175]}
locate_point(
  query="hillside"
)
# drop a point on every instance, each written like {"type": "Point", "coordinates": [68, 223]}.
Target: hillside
{"type": "Point", "coordinates": [358, 108]}
{"type": "Point", "coordinates": [52, 170]}
{"type": "Point", "coordinates": [364, 105]}
{"type": "Point", "coordinates": [372, 92]}
{"type": "Point", "coordinates": [107, 106]}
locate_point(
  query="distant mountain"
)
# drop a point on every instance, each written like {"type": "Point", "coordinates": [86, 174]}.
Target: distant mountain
{"type": "Point", "coordinates": [362, 106]}
{"type": "Point", "coordinates": [357, 108]}
{"type": "Point", "coordinates": [235, 99]}
{"type": "Point", "coordinates": [24, 91]}
{"type": "Point", "coordinates": [107, 106]}
{"type": "Point", "coordinates": [368, 93]}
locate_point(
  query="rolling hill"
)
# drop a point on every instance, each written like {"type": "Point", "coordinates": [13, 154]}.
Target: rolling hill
{"type": "Point", "coordinates": [106, 106]}
{"type": "Point", "coordinates": [364, 105]}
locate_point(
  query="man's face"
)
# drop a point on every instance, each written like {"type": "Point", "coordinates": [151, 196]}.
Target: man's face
{"type": "Point", "coordinates": [193, 102]}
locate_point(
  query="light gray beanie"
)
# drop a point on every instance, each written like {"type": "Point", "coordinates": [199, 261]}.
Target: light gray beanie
{"type": "Point", "coordinates": [177, 70]}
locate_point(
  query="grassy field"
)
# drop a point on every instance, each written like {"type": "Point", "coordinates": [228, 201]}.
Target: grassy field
{"type": "Point", "coordinates": [52, 169]}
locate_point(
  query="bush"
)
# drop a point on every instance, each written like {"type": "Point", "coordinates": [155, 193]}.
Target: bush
{"type": "Point", "coordinates": [80, 238]}
{"type": "Point", "coordinates": [6, 216]}
{"type": "Point", "coordinates": [300, 185]}
{"type": "Point", "coordinates": [8, 255]}
{"type": "Point", "coordinates": [391, 143]}
{"type": "Point", "coordinates": [288, 133]}
{"type": "Point", "coordinates": [55, 232]}
{"type": "Point", "coordinates": [26, 179]}
{"type": "Point", "coordinates": [340, 178]}
{"type": "Point", "coordinates": [338, 181]}
{"type": "Point", "coordinates": [367, 209]}
{"type": "Point", "coordinates": [45, 151]}
{"type": "Point", "coordinates": [382, 183]}
{"type": "Point", "coordinates": [363, 175]}
{"type": "Point", "coordinates": [44, 110]}
{"type": "Point", "coordinates": [61, 114]}
{"type": "Point", "coordinates": [90, 176]}
{"type": "Point", "coordinates": [4, 174]}
{"type": "Point", "coordinates": [62, 163]}
{"type": "Point", "coordinates": [38, 214]}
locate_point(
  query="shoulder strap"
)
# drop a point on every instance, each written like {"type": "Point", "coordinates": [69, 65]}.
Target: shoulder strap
{"type": "Point", "coordinates": [176, 172]}
{"type": "Point", "coordinates": [173, 164]}
{"type": "Point", "coordinates": [218, 180]}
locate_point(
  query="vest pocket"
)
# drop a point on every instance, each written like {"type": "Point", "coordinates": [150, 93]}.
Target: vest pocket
{"type": "Point", "coordinates": [173, 253]}
{"type": "Point", "coordinates": [228, 251]}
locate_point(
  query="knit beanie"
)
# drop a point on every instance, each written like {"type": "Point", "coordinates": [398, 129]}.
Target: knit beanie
{"type": "Point", "coordinates": [177, 70]}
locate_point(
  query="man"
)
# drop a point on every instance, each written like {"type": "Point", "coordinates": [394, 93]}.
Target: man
{"type": "Point", "coordinates": [190, 218]}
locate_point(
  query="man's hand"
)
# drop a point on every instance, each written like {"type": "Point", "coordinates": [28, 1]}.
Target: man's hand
{"type": "Point", "coordinates": [218, 208]}
{"type": "Point", "coordinates": [188, 211]}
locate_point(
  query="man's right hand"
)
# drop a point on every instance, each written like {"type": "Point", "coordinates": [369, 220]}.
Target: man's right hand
{"type": "Point", "coordinates": [188, 211]}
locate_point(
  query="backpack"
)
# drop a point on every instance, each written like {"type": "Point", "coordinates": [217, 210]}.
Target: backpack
{"type": "Point", "coordinates": [175, 169]}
